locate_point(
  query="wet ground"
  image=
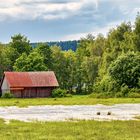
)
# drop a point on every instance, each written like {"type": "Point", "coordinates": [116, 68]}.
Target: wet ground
{"type": "Point", "coordinates": [76, 112]}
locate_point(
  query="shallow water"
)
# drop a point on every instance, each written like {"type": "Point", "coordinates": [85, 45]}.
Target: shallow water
{"type": "Point", "coordinates": [75, 112]}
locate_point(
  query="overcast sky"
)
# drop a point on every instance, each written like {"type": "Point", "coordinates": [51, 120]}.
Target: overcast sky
{"type": "Point", "coordinates": [49, 20]}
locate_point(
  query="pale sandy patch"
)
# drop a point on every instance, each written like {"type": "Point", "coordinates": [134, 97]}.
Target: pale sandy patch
{"type": "Point", "coordinates": [75, 112]}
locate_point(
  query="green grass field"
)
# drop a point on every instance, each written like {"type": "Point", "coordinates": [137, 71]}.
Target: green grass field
{"type": "Point", "coordinates": [75, 100]}
{"type": "Point", "coordinates": [82, 130]}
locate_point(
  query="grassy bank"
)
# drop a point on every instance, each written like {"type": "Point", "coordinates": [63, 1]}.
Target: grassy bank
{"type": "Point", "coordinates": [75, 100]}
{"type": "Point", "coordinates": [82, 130]}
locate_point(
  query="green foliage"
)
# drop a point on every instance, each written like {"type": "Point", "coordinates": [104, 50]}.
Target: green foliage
{"type": "Point", "coordinates": [102, 95]}
{"type": "Point", "coordinates": [107, 95]}
{"type": "Point", "coordinates": [124, 90]}
{"type": "Point", "coordinates": [45, 51]}
{"type": "Point", "coordinates": [4, 61]}
{"type": "Point", "coordinates": [137, 32]}
{"type": "Point", "coordinates": [7, 95]}
{"type": "Point", "coordinates": [69, 70]}
{"type": "Point", "coordinates": [126, 70]}
{"type": "Point", "coordinates": [107, 84]}
{"type": "Point", "coordinates": [134, 95]}
{"type": "Point", "coordinates": [119, 95]}
{"type": "Point", "coordinates": [68, 95]}
{"type": "Point", "coordinates": [20, 43]}
{"type": "Point", "coordinates": [136, 90]}
{"type": "Point", "coordinates": [58, 65]}
{"type": "Point", "coordinates": [59, 93]}
{"type": "Point", "coordinates": [33, 62]}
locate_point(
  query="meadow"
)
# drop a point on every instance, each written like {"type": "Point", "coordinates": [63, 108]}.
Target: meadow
{"type": "Point", "coordinates": [72, 129]}
{"type": "Point", "coordinates": [76, 130]}
{"type": "Point", "coordinates": [74, 100]}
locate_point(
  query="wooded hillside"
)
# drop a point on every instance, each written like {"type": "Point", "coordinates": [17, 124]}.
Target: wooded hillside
{"type": "Point", "coordinates": [65, 45]}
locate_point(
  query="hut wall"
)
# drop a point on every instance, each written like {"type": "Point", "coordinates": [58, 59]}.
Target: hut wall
{"type": "Point", "coordinates": [33, 92]}
{"type": "Point", "coordinates": [17, 93]}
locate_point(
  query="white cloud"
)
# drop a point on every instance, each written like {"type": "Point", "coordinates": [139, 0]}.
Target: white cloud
{"type": "Point", "coordinates": [70, 19]}
{"type": "Point", "coordinates": [96, 31]}
{"type": "Point", "coordinates": [33, 9]}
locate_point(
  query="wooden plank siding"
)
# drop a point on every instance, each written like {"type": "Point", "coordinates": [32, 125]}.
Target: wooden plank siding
{"type": "Point", "coordinates": [33, 92]}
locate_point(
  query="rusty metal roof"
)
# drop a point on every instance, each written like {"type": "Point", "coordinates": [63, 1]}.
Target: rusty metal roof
{"type": "Point", "coordinates": [31, 79]}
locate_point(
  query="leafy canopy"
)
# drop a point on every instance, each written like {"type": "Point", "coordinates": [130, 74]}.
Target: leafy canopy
{"type": "Point", "coordinates": [126, 69]}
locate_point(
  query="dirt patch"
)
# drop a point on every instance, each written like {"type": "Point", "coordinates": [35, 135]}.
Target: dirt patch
{"type": "Point", "coordinates": [75, 112]}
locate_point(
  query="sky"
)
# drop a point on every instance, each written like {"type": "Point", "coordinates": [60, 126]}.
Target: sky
{"type": "Point", "coordinates": [55, 20]}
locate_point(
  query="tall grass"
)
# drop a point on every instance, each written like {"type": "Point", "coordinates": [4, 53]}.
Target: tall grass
{"type": "Point", "coordinates": [82, 130]}
{"type": "Point", "coordinates": [75, 100]}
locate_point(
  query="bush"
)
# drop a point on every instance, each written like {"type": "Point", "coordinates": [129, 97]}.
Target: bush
{"type": "Point", "coordinates": [134, 95]}
{"type": "Point", "coordinates": [119, 95]}
{"type": "Point", "coordinates": [68, 95]}
{"type": "Point", "coordinates": [114, 95]}
{"type": "Point", "coordinates": [7, 95]}
{"type": "Point", "coordinates": [135, 90]}
{"type": "Point", "coordinates": [126, 69]}
{"type": "Point", "coordinates": [124, 90]}
{"type": "Point", "coordinates": [107, 85]}
{"type": "Point", "coordinates": [102, 95]}
{"type": "Point", "coordinates": [59, 93]}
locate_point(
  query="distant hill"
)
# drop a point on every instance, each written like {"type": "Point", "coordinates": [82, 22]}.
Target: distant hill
{"type": "Point", "coordinates": [65, 45]}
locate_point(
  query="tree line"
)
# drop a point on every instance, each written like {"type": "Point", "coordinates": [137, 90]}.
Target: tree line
{"type": "Point", "coordinates": [99, 64]}
{"type": "Point", "coordinates": [65, 45]}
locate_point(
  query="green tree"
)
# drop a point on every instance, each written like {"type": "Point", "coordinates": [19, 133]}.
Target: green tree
{"type": "Point", "coordinates": [58, 64]}
{"type": "Point", "coordinates": [90, 72]}
{"type": "Point", "coordinates": [137, 32]}
{"type": "Point", "coordinates": [4, 61]}
{"type": "Point", "coordinates": [88, 57]}
{"type": "Point", "coordinates": [21, 44]}
{"type": "Point", "coordinates": [11, 55]}
{"type": "Point", "coordinates": [33, 62]}
{"type": "Point", "coordinates": [46, 52]}
{"type": "Point", "coordinates": [126, 70]}
{"type": "Point", "coordinates": [69, 70]}
{"type": "Point", "coordinates": [97, 46]}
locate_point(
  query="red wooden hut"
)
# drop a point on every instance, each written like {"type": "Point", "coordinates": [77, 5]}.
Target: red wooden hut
{"type": "Point", "coordinates": [29, 84]}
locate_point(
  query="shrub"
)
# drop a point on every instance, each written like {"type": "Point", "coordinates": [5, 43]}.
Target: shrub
{"type": "Point", "coordinates": [107, 85]}
{"type": "Point", "coordinates": [102, 95]}
{"type": "Point", "coordinates": [126, 69]}
{"type": "Point", "coordinates": [135, 90]}
{"type": "Point", "coordinates": [68, 95]}
{"type": "Point", "coordinates": [119, 95]}
{"type": "Point", "coordinates": [59, 93]}
{"type": "Point", "coordinates": [124, 90]}
{"type": "Point", "coordinates": [134, 95]}
{"type": "Point", "coordinates": [7, 95]}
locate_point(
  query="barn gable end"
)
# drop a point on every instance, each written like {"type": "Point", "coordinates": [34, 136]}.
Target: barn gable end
{"type": "Point", "coordinates": [5, 88]}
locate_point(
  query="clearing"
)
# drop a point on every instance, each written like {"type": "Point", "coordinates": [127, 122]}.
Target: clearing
{"type": "Point", "coordinates": [71, 113]}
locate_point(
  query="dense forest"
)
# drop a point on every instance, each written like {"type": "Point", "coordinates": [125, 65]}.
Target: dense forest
{"type": "Point", "coordinates": [107, 66]}
{"type": "Point", "coordinates": [65, 45]}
